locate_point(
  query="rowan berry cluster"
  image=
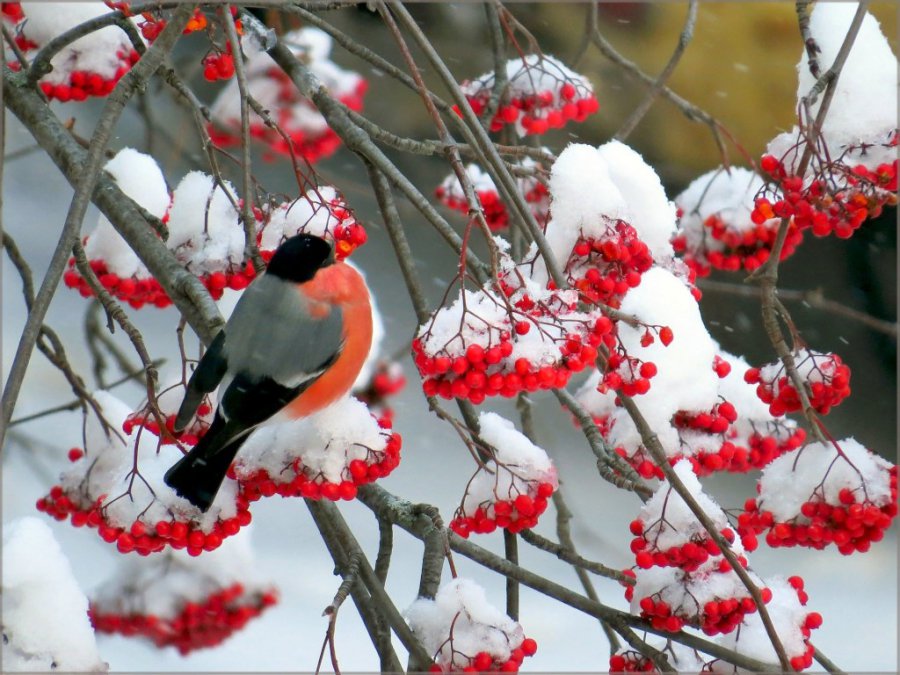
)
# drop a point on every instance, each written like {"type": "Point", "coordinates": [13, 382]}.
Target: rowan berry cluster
{"type": "Point", "coordinates": [513, 514]}
{"type": "Point", "coordinates": [838, 199]}
{"type": "Point", "coordinates": [827, 378]}
{"type": "Point", "coordinates": [483, 362]}
{"type": "Point", "coordinates": [452, 195]}
{"type": "Point", "coordinates": [188, 436]}
{"type": "Point", "coordinates": [142, 537]}
{"type": "Point", "coordinates": [386, 382]}
{"type": "Point", "coordinates": [84, 84]}
{"type": "Point", "coordinates": [195, 625]}
{"type": "Point", "coordinates": [298, 480]}
{"type": "Point", "coordinates": [483, 662]}
{"type": "Point", "coordinates": [689, 556]}
{"type": "Point", "coordinates": [300, 128]}
{"type": "Point", "coordinates": [542, 94]}
{"type": "Point", "coordinates": [218, 66]}
{"type": "Point", "coordinates": [630, 661]}
{"type": "Point", "coordinates": [604, 268]}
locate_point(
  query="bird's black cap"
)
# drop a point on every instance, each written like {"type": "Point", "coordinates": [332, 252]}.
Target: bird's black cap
{"type": "Point", "coordinates": [300, 257]}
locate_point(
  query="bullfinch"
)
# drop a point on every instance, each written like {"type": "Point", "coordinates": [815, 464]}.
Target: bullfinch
{"type": "Point", "coordinates": [294, 344]}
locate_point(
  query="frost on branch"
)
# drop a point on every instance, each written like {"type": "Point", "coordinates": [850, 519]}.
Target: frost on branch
{"type": "Point", "coordinates": [326, 455]}
{"type": "Point", "coordinates": [45, 621]}
{"type": "Point", "coordinates": [682, 577]}
{"type": "Point", "coordinates": [541, 94]}
{"type": "Point", "coordinates": [462, 631]}
{"type": "Point", "coordinates": [88, 66]}
{"type": "Point", "coordinates": [824, 493]}
{"type": "Point", "coordinates": [852, 172]}
{"type": "Point", "coordinates": [793, 624]}
{"type": "Point", "coordinates": [176, 600]}
{"type": "Point", "coordinates": [451, 193]}
{"type": "Point", "coordinates": [115, 484]}
{"type": "Point", "coordinates": [307, 132]}
{"type": "Point", "coordinates": [511, 490]}
{"type": "Point", "coordinates": [715, 228]}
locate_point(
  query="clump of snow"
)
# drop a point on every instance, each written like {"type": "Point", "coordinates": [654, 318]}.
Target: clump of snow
{"type": "Point", "coordinates": [45, 620]}
{"type": "Point", "coordinates": [98, 52]}
{"type": "Point", "coordinates": [138, 176]}
{"type": "Point", "coordinates": [669, 522]}
{"type": "Point", "coordinates": [319, 212]}
{"type": "Point", "coordinates": [460, 612]}
{"type": "Point", "coordinates": [325, 443]}
{"type": "Point", "coordinates": [684, 379]}
{"type": "Point", "coordinates": [516, 469]}
{"type": "Point", "coordinates": [817, 469]}
{"type": "Point", "coordinates": [205, 232]}
{"type": "Point", "coordinates": [863, 113]}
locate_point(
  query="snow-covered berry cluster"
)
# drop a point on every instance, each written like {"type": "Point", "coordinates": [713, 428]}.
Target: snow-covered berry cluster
{"type": "Point", "coordinates": [176, 600]}
{"type": "Point", "coordinates": [325, 456]}
{"type": "Point", "coordinates": [682, 577]}
{"type": "Point", "coordinates": [824, 493]}
{"type": "Point", "coordinates": [716, 228]}
{"type": "Point", "coordinates": [301, 128]}
{"type": "Point", "coordinates": [168, 400]}
{"type": "Point", "coordinates": [88, 66]}
{"type": "Point", "coordinates": [135, 509]}
{"type": "Point", "coordinates": [826, 376]}
{"type": "Point", "coordinates": [483, 345]}
{"type": "Point", "coordinates": [511, 490]}
{"type": "Point", "coordinates": [465, 633]}
{"type": "Point", "coordinates": [450, 193]}
{"type": "Point", "coordinates": [792, 622]}
{"type": "Point", "coordinates": [541, 94]}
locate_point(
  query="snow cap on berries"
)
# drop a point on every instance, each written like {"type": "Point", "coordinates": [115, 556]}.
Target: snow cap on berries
{"type": "Point", "coordinates": [138, 176]}
{"type": "Point", "coordinates": [684, 379]}
{"type": "Point", "coordinates": [816, 469]}
{"type": "Point", "coordinates": [461, 610]}
{"type": "Point", "coordinates": [672, 521]}
{"type": "Point", "coordinates": [45, 619]}
{"type": "Point", "coordinates": [864, 106]}
{"type": "Point", "coordinates": [325, 442]}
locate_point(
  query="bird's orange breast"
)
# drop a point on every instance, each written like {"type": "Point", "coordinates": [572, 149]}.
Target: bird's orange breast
{"type": "Point", "coordinates": [342, 286]}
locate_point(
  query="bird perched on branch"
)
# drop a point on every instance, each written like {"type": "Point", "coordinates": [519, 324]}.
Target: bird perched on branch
{"type": "Point", "coordinates": [294, 344]}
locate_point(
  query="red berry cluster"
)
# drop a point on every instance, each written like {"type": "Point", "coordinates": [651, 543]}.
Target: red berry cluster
{"type": "Point", "coordinates": [478, 372]}
{"type": "Point", "coordinates": [301, 140]}
{"type": "Point", "coordinates": [736, 248]}
{"type": "Point", "coordinates": [348, 236]}
{"type": "Point", "coordinates": [138, 292]}
{"type": "Point", "coordinates": [484, 662]}
{"type": "Point", "coordinates": [852, 525]}
{"type": "Point", "coordinates": [387, 381]}
{"type": "Point", "coordinates": [539, 112]}
{"type": "Point", "coordinates": [627, 374]}
{"type": "Point", "coordinates": [82, 84]}
{"type": "Point", "coordinates": [604, 268]}
{"type": "Point", "coordinates": [761, 449]}
{"type": "Point", "coordinates": [660, 615]}
{"type": "Point", "coordinates": [689, 556]}
{"type": "Point", "coordinates": [142, 537]}
{"type": "Point", "coordinates": [630, 662]}
{"type": "Point", "coordinates": [810, 622]}
{"type": "Point", "coordinates": [826, 375]}
{"type": "Point", "coordinates": [196, 624]}
{"type": "Point", "coordinates": [188, 436]}
{"type": "Point", "coordinates": [218, 66]}
{"type": "Point", "coordinates": [837, 200]}
{"type": "Point", "coordinates": [495, 213]}
{"type": "Point", "coordinates": [297, 481]}
{"type": "Point", "coordinates": [715, 421]}
{"type": "Point", "coordinates": [514, 514]}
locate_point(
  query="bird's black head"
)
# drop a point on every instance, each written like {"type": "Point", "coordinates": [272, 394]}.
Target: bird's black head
{"type": "Point", "coordinates": [300, 257]}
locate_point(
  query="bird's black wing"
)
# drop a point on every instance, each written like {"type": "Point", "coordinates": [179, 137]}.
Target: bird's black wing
{"type": "Point", "coordinates": [205, 378]}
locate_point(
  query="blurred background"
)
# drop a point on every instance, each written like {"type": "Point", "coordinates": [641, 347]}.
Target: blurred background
{"type": "Point", "coordinates": [741, 68]}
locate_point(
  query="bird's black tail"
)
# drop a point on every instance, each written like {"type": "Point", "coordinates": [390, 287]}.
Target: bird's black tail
{"type": "Point", "coordinates": [199, 474]}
